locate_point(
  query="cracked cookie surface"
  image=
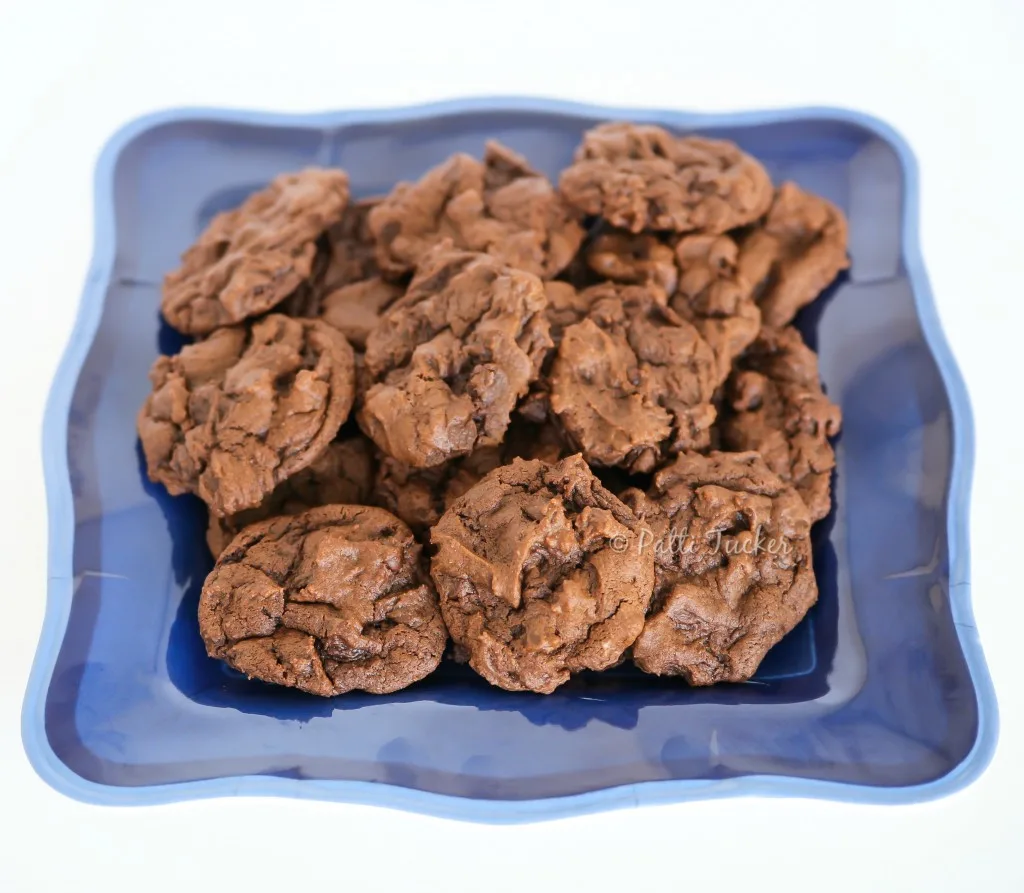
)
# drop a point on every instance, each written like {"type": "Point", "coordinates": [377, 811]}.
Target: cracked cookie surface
{"type": "Point", "coordinates": [450, 359]}
{"type": "Point", "coordinates": [776, 406]}
{"type": "Point", "coordinates": [419, 496]}
{"type": "Point", "coordinates": [733, 572]}
{"type": "Point", "coordinates": [714, 296]}
{"type": "Point", "coordinates": [326, 601]}
{"type": "Point", "coordinates": [538, 574]}
{"type": "Point", "coordinates": [249, 260]}
{"type": "Point", "coordinates": [633, 259]}
{"type": "Point", "coordinates": [795, 254]}
{"type": "Point", "coordinates": [234, 415]}
{"type": "Point", "coordinates": [341, 475]}
{"type": "Point", "coordinates": [632, 382]}
{"type": "Point", "coordinates": [641, 177]}
{"type": "Point", "coordinates": [500, 206]}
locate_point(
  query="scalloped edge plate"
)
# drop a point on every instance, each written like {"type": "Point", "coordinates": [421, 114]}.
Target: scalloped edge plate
{"type": "Point", "coordinates": [61, 517]}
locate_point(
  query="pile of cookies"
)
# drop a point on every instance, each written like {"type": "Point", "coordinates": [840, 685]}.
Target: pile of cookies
{"type": "Point", "coordinates": [563, 426]}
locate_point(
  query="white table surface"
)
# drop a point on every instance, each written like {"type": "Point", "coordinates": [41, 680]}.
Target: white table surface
{"type": "Point", "coordinates": [948, 75]}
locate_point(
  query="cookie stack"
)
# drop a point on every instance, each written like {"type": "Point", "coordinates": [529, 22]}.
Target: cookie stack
{"type": "Point", "coordinates": [565, 426]}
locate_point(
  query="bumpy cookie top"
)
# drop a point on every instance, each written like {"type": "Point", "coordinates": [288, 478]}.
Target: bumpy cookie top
{"type": "Point", "coordinates": [733, 572]}
{"type": "Point", "coordinates": [632, 382]}
{"type": "Point", "coordinates": [249, 260]}
{"type": "Point", "coordinates": [777, 407]}
{"type": "Point", "coordinates": [352, 250]}
{"type": "Point", "coordinates": [795, 254]}
{"type": "Point", "coordinates": [540, 575]}
{"type": "Point", "coordinates": [419, 496]}
{"type": "Point", "coordinates": [635, 259]}
{"type": "Point", "coordinates": [638, 176]}
{"type": "Point", "coordinates": [341, 475]}
{"type": "Point", "coordinates": [346, 261]}
{"type": "Point", "coordinates": [327, 601]}
{"type": "Point", "coordinates": [714, 296]}
{"type": "Point", "coordinates": [355, 309]}
{"type": "Point", "coordinates": [501, 207]}
{"type": "Point", "coordinates": [450, 359]}
{"type": "Point", "coordinates": [234, 415]}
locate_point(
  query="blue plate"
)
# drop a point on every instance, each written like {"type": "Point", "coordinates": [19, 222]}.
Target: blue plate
{"type": "Point", "coordinates": [881, 695]}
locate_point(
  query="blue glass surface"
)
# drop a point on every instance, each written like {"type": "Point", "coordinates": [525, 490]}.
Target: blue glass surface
{"type": "Point", "coordinates": [881, 694]}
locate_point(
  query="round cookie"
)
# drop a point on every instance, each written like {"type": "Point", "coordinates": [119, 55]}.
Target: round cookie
{"type": "Point", "coordinates": [733, 573]}
{"type": "Point", "coordinates": [540, 575]}
{"type": "Point", "coordinates": [641, 177]}
{"type": "Point", "coordinates": [776, 406]}
{"type": "Point", "coordinates": [632, 382]}
{"type": "Point", "coordinates": [250, 259]}
{"type": "Point", "coordinates": [234, 415]}
{"type": "Point", "coordinates": [327, 601]}
{"type": "Point", "coordinates": [450, 360]}
{"type": "Point", "coordinates": [341, 475]}
{"type": "Point", "coordinates": [501, 207]}
{"type": "Point", "coordinates": [793, 256]}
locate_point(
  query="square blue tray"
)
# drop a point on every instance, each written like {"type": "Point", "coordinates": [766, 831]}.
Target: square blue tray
{"type": "Point", "coordinates": [881, 695]}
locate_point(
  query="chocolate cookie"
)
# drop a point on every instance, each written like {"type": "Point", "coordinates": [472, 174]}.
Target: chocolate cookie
{"type": "Point", "coordinates": [777, 407]}
{"type": "Point", "coordinates": [501, 207]}
{"type": "Point", "coordinates": [540, 575]}
{"type": "Point", "coordinates": [327, 601]}
{"type": "Point", "coordinates": [346, 287]}
{"type": "Point", "coordinates": [234, 415]}
{"type": "Point", "coordinates": [714, 296]}
{"type": "Point", "coordinates": [249, 260]}
{"type": "Point", "coordinates": [341, 475]}
{"type": "Point", "coordinates": [795, 254]}
{"type": "Point", "coordinates": [566, 307]}
{"type": "Point", "coordinates": [639, 177]}
{"type": "Point", "coordinates": [632, 383]}
{"type": "Point", "coordinates": [356, 309]}
{"type": "Point", "coordinates": [633, 258]}
{"type": "Point", "coordinates": [733, 573]}
{"type": "Point", "coordinates": [419, 496]}
{"type": "Point", "coordinates": [450, 359]}
{"type": "Point", "coordinates": [352, 247]}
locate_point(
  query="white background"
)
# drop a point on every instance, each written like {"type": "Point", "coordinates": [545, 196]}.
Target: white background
{"type": "Point", "coordinates": [948, 75]}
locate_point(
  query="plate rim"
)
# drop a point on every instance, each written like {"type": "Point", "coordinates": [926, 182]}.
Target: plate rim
{"type": "Point", "coordinates": [60, 514]}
